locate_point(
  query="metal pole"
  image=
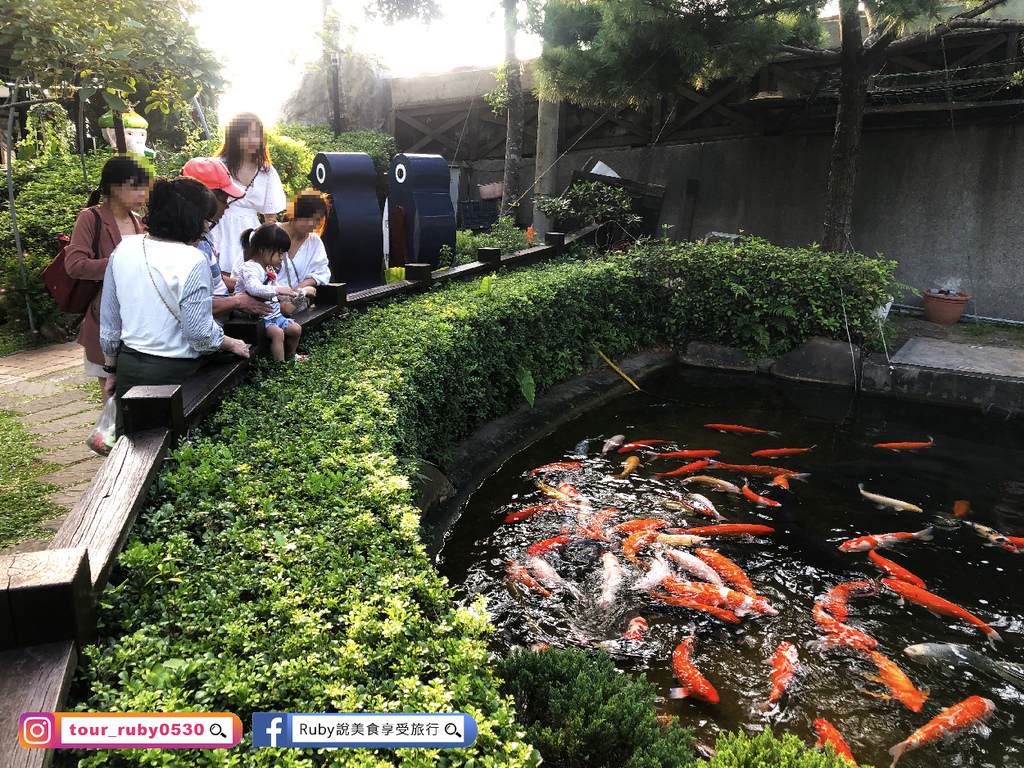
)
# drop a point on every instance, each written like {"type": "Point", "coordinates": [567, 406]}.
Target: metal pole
{"type": "Point", "coordinates": [335, 95]}
{"type": "Point", "coordinates": [202, 117]}
{"type": "Point", "coordinates": [10, 200]}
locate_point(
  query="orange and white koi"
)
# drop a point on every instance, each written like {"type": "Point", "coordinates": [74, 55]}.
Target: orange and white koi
{"type": "Point", "coordinates": [892, 570]}
{"type": "Point", "coordinates": [784, 664]}
{"type": "Point", "coordinates": [632, 543]}
{"type": "Point", "coordinates": [537, 509]}
{"type": "Point", "coordinates": [692, 682]}
{"type": "Point", "coordinates": [517, 573]}
{"type": "Point", "coordinates": [839, 633]}
{"type": "Point", "coordinates": [547, 545]}
{"type": "Point", "coordinates": [895, 680]}
{"type": "Point", "coordinates": [864, 543]}
{"type": "Point", "coordinates": [761, 501]}
{"type": "Point", "coordinates": [727, 569]}
{"type": "Point", "coordinates": [736, 429]}
{"type": "Point", "coordinates": [1017, 541]}
{"type": "Point", "coordinates": [694, 503]}
{"type": "Point", "coordinates": [632, 464]}
{"type": "Point", "coordinates": [686, 469]}
{"type": "Point", "coordinates": [698, 567]}
{"type": "Point", "coordinates": [778, 453]}
{"type": "Point", "coordinates": [991, 535]}
{"type": "Point", "coordinates": [722, 614]}
{"type": "Point", "coordinates": [884, 501]}
{"type": "Point", "coordinates": [761, 470]}
{"type": "Point", "coordinates": [737, 602]}
{"type": "Point", "coordinates": [632, 526]}
{"type": "Point", "coordinates": [728, 529]}
{"type": "Point", "coordinates": [691, 454]}
{"type": "Point", "coordinates": [637, 445]}
{"type": "Point", "coordinates": [827, 734]}
{"type": "Point", "coordinates": [636, 630]}
{"type": "Point", "coordinates": [547, 576]}
{"type": "Point", "coordinates": [835, 599]}
{"type": "Point", "coordinates": [715, 482]}
{"type": "Point", "coordinates": [560, 466]}
{"type": "Point", "coordinates": [612, 579]}
{"type": "Point", "coordinates": [659, 571]}
{"type": "Point", "coordinates": [971, 712]}
{"type": "Point", "coordinates": [905, 446]}
{"type": "Point", "coordinates": [937, 605]}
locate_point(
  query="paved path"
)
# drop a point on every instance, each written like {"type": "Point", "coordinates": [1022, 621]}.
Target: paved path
{"type": "Point", "coordinates": [44, 385]}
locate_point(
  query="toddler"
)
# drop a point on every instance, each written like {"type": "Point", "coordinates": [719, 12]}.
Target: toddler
{"type": "Point", "coordinates": [263, 249]}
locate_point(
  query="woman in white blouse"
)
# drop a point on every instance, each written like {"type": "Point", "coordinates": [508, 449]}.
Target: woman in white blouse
{"type": "Point", "coordinates": [244, 152]}
{"type": "Point", "coordinates": [305, 265]}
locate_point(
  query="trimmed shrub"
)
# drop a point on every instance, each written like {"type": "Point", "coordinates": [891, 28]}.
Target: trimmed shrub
{"type": "Point", "coordinates": [292, 159]}
{"type": "Point", "coordinates": [735, 750]}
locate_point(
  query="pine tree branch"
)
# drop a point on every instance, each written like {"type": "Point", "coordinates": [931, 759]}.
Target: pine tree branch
{"type": "Point", "coordinates": [817, 53]}
{"type": "Point", "coordinates": [966, 20]}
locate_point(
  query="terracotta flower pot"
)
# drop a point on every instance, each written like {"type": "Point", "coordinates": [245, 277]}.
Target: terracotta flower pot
{"type": "Point", "coordinates": [944, 309]}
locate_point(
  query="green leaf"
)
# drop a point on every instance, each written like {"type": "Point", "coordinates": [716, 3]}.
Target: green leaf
{"type": "Point", "coordinates": [526, 384]}
{"type": "Point", "coordinates": [114, 102]}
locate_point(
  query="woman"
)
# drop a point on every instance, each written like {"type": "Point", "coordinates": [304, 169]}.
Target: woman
{"type": "Point", "coordinates": [156, 318]}
{"type": "Point", "coordinates": [244, 152]}
{"type": "Point", "coordinates": [305, 265]}
{"type": "Point", "coordinates": [123, 187]}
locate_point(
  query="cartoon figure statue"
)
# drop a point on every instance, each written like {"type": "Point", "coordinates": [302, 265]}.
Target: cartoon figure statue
{"type": "Point", "coordinates": [135, 132]}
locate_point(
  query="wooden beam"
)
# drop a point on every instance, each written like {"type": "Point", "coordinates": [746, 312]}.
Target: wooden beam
{"type": "Point", "coordinates": [438, 133]}
{"type": "Point", "coordinates": [791, 77]}
{"type": "Point", "coordinates": [425, 129]}
{"type": "Point", "coordinates": [35, 679]}
{"type": "Point", "coordinates": [46, 597]}
{"type": "Point", "coordinates": [693, 95]}
{"type": "Point", "coordinates": [145, 407]}
{"type": "Point", "coordinates": [978, 52]}
{"type": "Point", "coordinates": [911, 64]}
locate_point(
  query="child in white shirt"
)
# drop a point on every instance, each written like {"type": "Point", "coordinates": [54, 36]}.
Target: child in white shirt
{"type": "Point", "coordinates": [263, 249]}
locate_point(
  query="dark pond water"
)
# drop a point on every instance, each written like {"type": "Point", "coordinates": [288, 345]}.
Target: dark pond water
{"type": "Point", "coordinates": [974, 458]}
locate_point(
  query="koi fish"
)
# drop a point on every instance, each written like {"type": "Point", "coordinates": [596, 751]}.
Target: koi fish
{"type": "Point", "coordinates": [971, 712]}
{"type": "Point", "coordinates": [761, 470]}
{"type": "Point", "coordinates": [698, 567]}
{"type": "Point", "coordinates": [679, 540]}
{"type": "Point", "coordinates": [961, 507]}
{"type": "Point", "coordinates": [636, 630]}
{"type": "Point", "coordinates": [642, 444]}
{"type": "Point", "coordinates": [612, 443]}
{"type": "Point", "coordinates": [827, 734]}
{"type": "Point", "coordinates": [548, 544]}
{"type": "Point", "coordinates": [784, 664]}
{"type": "Point", "coordinates": [517, 573]}
{"type": "Point", "coordinates": [761, 501]}
{"type": "Point", "coordinates": [839, 633]}
{"type": "Point", "coordinates": [686, 469]}
{"type": "Point", "coordinates": [715, 482]}
{"type": "Point", "coordinates": [835, 599]}
{"type": "Point", "coordinates": [564, 496]}
{"type": "Point", "coordinates": [737, 602]}
{"type": "Point", "coordinates": [736, 429]}
{"type": "Point", "coordinates": [781, 481]}
{"type": "Point", "coordinates": [949, 653]}
{"type": "Point", "coordinates": [631, 465]}
{"type": "Point", "coordinates": [632, 526]}
{"type": "Point", "coordinates": [560, 466]}
{"type": "Point", "coordinates": [727, 569]}
{"type": "Point", "coordinates": [778, 453]}
{"type": "Point", "coordinates": [632, 543]}
{"type": "Point", "coordinates": [687, 455]}
{"type": "Point", "coordinates": [905, 446]}
{"type": "Point", "coordinates": [704, 506]}
{"type": "Point", "coordinates": [612, 579]}
{"type": "Point", "coordinates": [547, 576]}
{"type": "Point", "coordinates": [523, 514]}
{"type": "Point", "coordinates": [722, 614]}
{"type": "Point", "coordinates": [728, 529]}
{"type": "Point", "coordinates": [937, 605]}
{"type": "Point", "coordinates": [885, 501]}
{"type": "Point", "coordinates": [895, 680]}
{"type": "Point", "coordinates": [692, 682]}
{"type": "Point", "coordinates": [1017, 541]}
{"type": "Point", "coordinates": [864, 543]}
{"type": "Point", "coordinates": [991, 535]}
{"type": "Point", "coordinates": [891, 569]}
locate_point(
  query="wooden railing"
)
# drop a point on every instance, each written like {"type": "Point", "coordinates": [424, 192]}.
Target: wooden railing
{"type": "Point", "coordinates": [48, 599]}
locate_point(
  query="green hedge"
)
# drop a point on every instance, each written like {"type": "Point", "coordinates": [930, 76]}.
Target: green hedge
{"type": "Point", "coordinates": [735, 750]}
{"type": "Point", "coordinates": [278, 565]}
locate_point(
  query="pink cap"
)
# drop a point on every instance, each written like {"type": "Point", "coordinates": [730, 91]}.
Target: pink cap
{"type": "Point", "coordinates": [214, 174]}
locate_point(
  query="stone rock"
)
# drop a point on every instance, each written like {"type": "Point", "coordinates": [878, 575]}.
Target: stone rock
{"type": "Point", "coordinates": [716, 356]}
{"type": "Point", "coordinates": [365, 92]}
{"type": "Point", "coordinates": [820, 360]}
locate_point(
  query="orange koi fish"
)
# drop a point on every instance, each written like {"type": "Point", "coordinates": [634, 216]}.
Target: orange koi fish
{"type": "Point", "coordinates": [835, 599]}
{"type": "Point", "coordinates": [692, 682]}
{"type": "Point", "coordinates": [561, 466]}
{"type": "Point", "coordinates": [784, 664]}
{"type": "Point", "coordinates": [632, 526]}
{"type": "Point", "coordinates": [641, 444]}
{"type": "Point", "coordinates": [612, 579]}
{"type": "Point", "coordinates": [778, 453]}
{"type": "Point", "coordinates": [632, 543]}
{"type": "Point", "coordinates": [717, 483]}
{"type": "Point", "coordinates": [548, 544]}
{"type": "Point", "coordinates": [728, 529]}
{"type": "Point", "coordinates": [636, 630]}
{"type": "Point", "coordinates": [631, 465]}
{"type": "Point", "coordinates": [905, 446]}
{"type": "Point", "coordinates": [761, 470]}
{"type": "Point", "coordinates": [992, 535]}
{"type": "Point", "coordinates": [522, 514]}
{"type": "Point", "coordinates": [891, 569]}
{"type": "Point", "coordinates": [1017, 541]}
{"type": "Point", "coordinates": [761, 501]}
{"type": "Point", "coordinates": [564, 493]}
{"type": "Point", "coordinates": [517, 573]}
{"type": "Point", "coordinates": [684, 602]}
{"type": "Point", "coordinates": [961, 507]}
{"type": "Point", "coordinates": [687, 455]}
{"type": "Point", "coordinates": [839, 633]}
{"type": "Point", "coordinates": [936, 604]}
{"type": "Point", "coordinates": [687, 469]}
{"type": "Point", "coordinates": [972, 711]}
{"type": "Point", "coordinates": [827, 734]}
{"type": "Point", "coordinates": [736, 429]}
{"type": "Point", "coordinates": [727, 569]}
{"type": "Point", "coordinates": [896, 681]}
{"type": "Point", "coordinates": [864, 543]}
{"type": "Point", "coordinates": [782, 481]}
{"type": "Point", "coordinates": [737, 602]}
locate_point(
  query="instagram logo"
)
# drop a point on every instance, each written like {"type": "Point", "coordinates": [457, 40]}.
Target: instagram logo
{"type": "Point", "coordinates": [35, 729]}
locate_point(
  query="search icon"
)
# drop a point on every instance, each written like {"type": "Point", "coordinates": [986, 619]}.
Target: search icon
{"type": "Point", "coordinates": [452, 730]}
{"type": "Point", "coordinates": [216, 730]}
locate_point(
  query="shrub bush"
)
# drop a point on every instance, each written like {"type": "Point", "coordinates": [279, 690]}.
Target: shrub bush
{"type": "Point", "coordinates": [735, 750]}
{"type": "Point", "coordinates": [579, 712]}
{"type": "Point", "coordinates": [292, 159]}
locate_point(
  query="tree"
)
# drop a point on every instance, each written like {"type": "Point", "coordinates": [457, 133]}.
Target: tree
{"type": "Point", "coordinates": [514, 102]}
{"type": "Point", "coordinates": [635, 51]}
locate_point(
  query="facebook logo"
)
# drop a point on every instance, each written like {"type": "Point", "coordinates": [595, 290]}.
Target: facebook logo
{"type": "Point", "coordinates": [270, 729]}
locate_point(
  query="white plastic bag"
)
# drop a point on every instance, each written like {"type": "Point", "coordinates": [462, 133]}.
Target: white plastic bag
{"type": "Point", "coordinates": [101, 439]}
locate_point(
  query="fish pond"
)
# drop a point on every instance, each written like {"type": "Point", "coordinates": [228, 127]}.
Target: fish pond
{"type": "Point", "coordinates": [973, 458]}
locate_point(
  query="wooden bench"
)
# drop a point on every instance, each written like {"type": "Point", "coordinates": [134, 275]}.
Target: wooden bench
{"type": "Point", "coordinates": [33, 679]}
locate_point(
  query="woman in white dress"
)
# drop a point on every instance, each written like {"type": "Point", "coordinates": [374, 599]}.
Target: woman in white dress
{"type": "Point", "coordinates": [244, 152]}
{"type": "Point", "coordinates": [305, 265]}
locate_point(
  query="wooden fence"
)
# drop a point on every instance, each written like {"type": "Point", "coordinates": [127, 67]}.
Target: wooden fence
{"type": "Point", "coordinates": [48, 601]}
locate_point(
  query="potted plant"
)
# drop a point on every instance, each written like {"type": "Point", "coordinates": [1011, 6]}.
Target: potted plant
{"type": "Point", "coordinates": [944, 306]}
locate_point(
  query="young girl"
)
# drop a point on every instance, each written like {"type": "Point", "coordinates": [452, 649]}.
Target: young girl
{"type": "Point", "coordinates": [263, 250]}
{"type": "Point", "coordinates": [244, 152]}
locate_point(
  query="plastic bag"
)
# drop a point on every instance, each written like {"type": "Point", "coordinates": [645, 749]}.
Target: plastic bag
{"type": "Point", "coordinates": [101, 439]}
